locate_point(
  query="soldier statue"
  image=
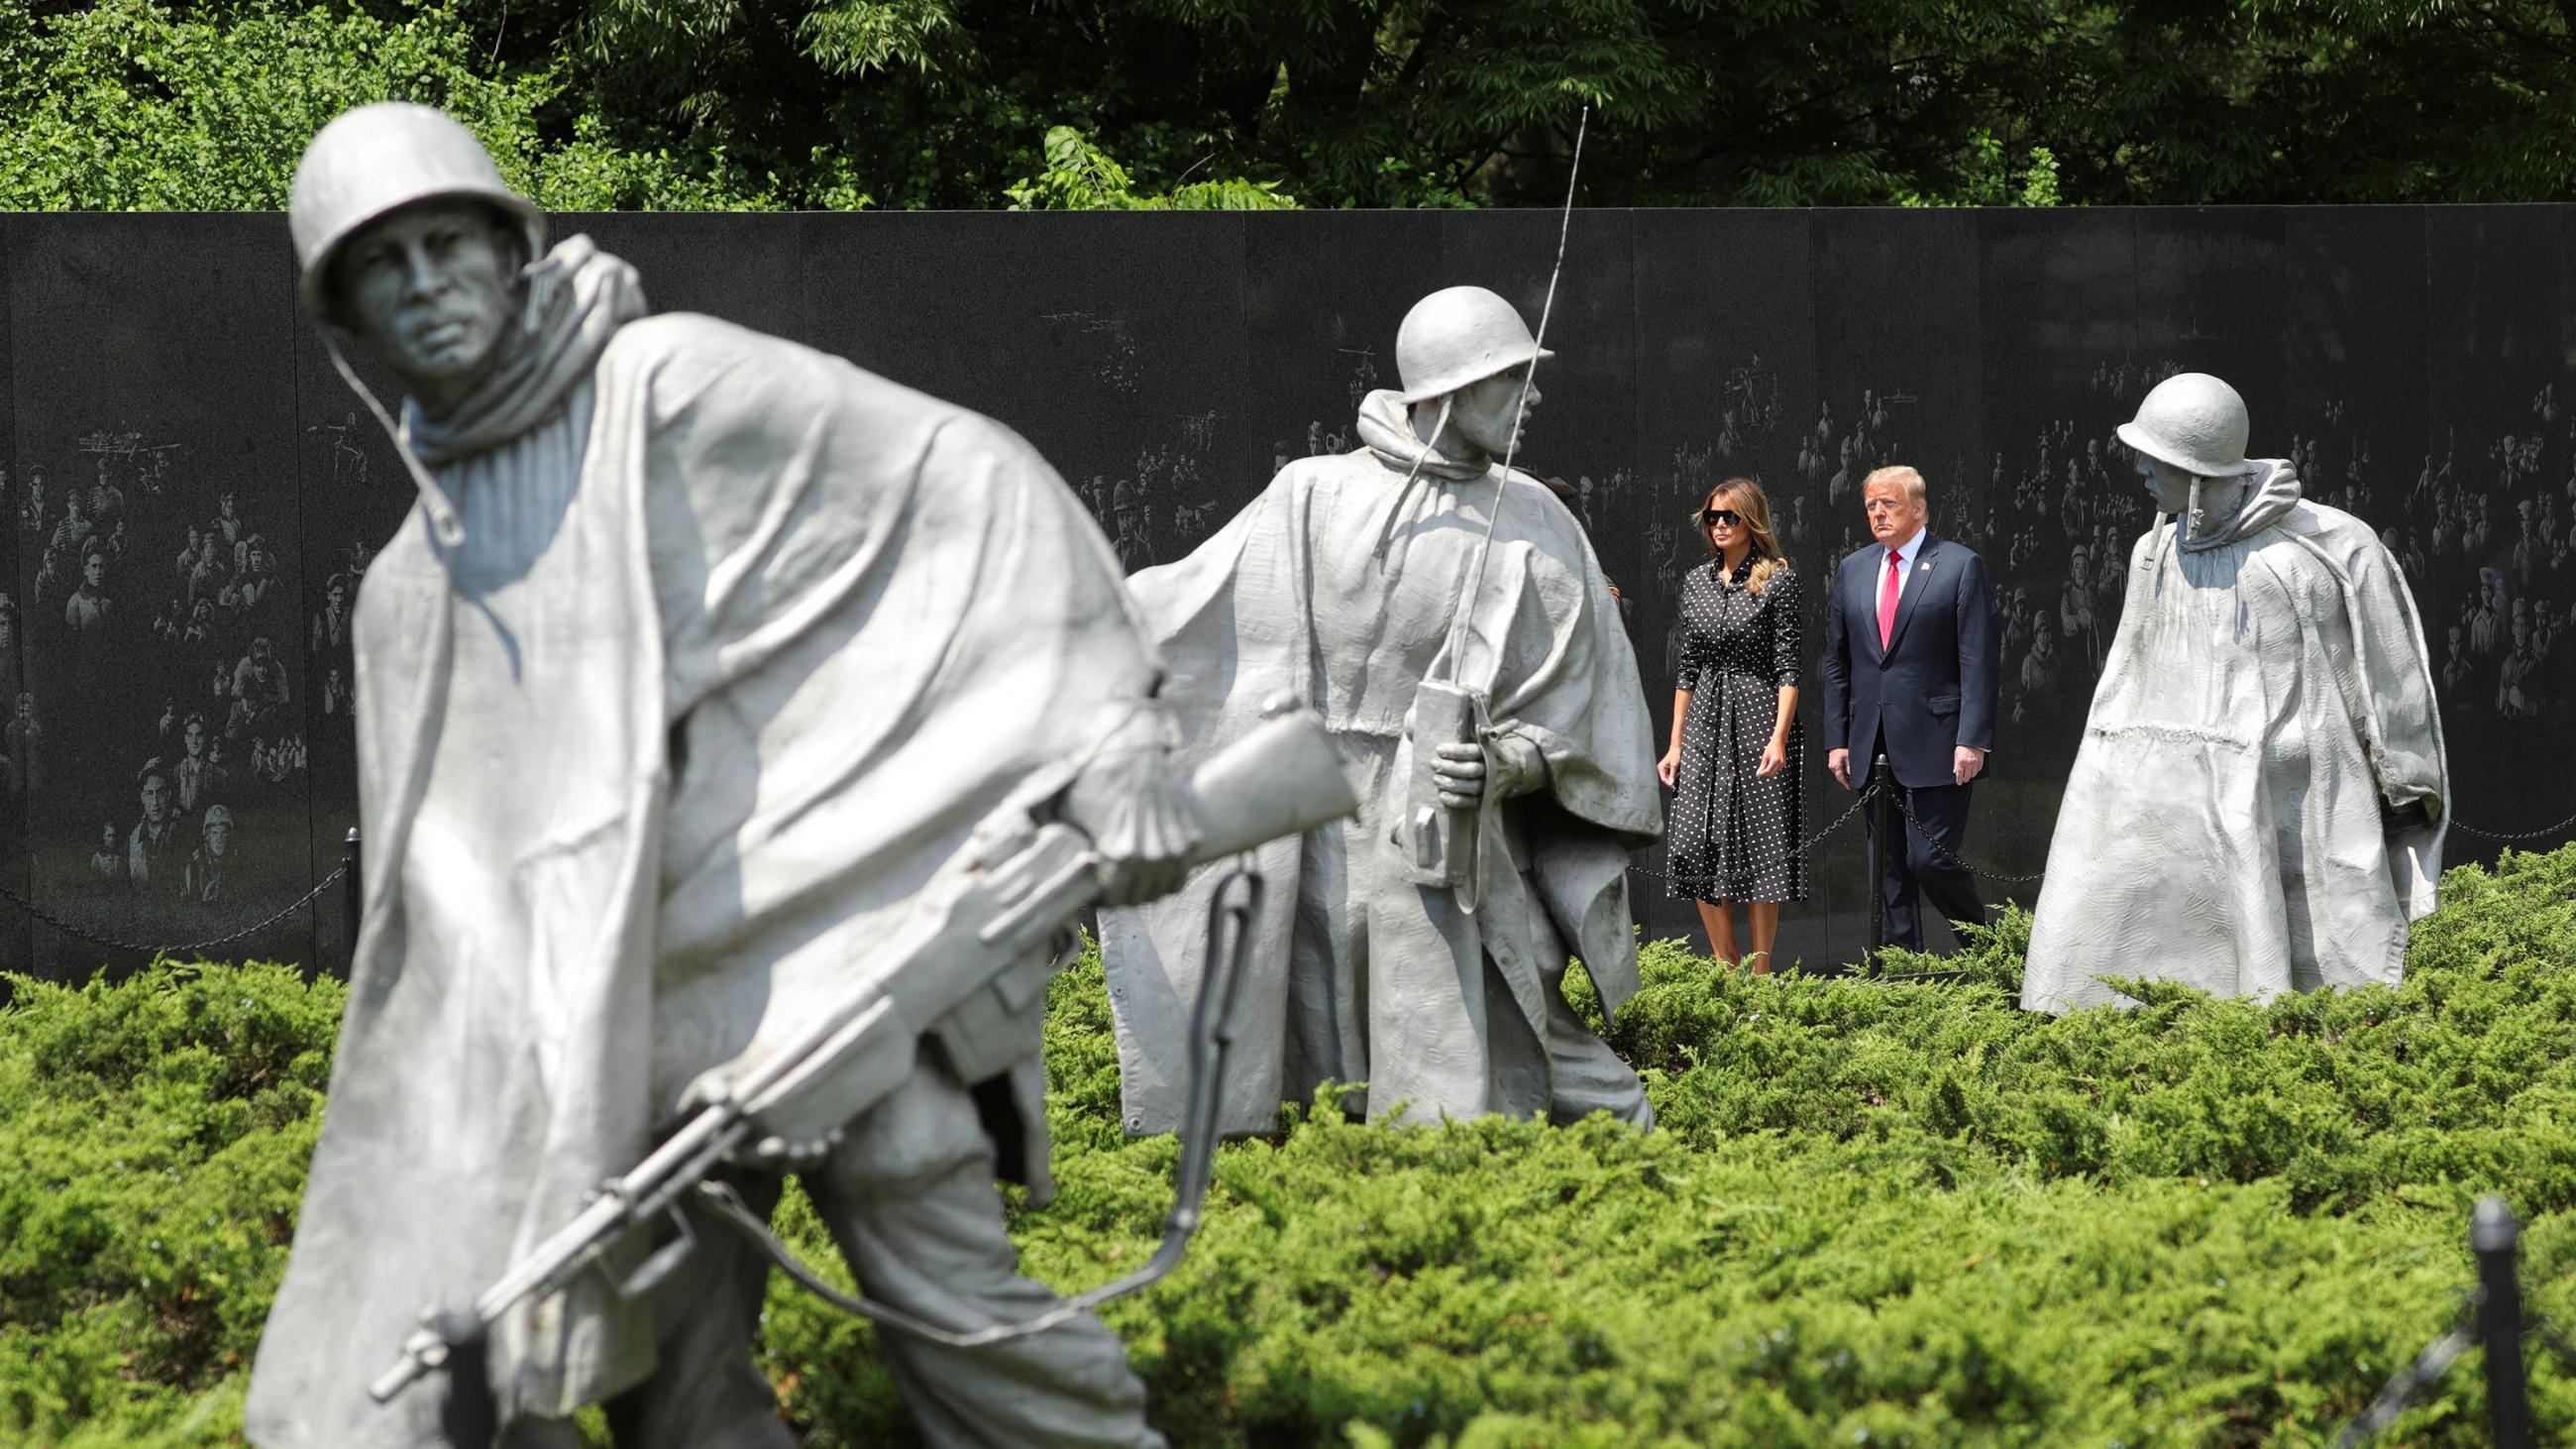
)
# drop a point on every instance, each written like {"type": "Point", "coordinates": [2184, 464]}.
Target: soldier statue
{"type": "Point", "coordinates": [698, 653]}
{"type": "Point", "coordinates": [2259, 801]}
{"type": "Point", "coordinates": [1353, 584]}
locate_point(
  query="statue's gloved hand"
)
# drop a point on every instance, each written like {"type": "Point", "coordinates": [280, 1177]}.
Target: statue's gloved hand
{"type": "Point", "coordinates": [1459, 767]}
{"type": "Point", "coordinates": [2420, 813]}
{"type": "Point", "coordinates": [1506, 763]}
{"type": "Point", "coordinates": [1135, 805]}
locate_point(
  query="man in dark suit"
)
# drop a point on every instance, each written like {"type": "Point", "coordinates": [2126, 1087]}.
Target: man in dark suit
{"type": "Point", "coordinates": [1910, 670]}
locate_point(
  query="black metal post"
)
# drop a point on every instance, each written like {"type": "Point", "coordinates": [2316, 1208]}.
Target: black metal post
{"type": "Point", "coordinates": [1882, 817]}
{"type": "Point", "coordinates": [349, 895]}
{"type": "Point", "coordinates": [2492, 1236]}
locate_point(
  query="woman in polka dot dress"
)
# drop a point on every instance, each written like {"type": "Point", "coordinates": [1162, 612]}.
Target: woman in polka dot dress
{"type": "Point", "coordinates": [1736, 741]}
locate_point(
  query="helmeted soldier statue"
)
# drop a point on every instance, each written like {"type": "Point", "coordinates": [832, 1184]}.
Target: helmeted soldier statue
{"type": "Point", "coordinates": [699, 651]}
{"type": "Point", "coordinates": [2259, 801]}
{"type": "Point", "coordinates": [1350, 582]}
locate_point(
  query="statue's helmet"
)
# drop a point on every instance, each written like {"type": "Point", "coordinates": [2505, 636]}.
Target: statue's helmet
{"type": "Point", "coordinates": [378, 159]}
{"type": "Point", "coordinates": [2195, 422]}
{"type": "Point", "coordinates": [1460, 335]}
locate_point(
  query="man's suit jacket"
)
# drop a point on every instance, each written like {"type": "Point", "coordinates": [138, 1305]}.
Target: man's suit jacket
{"type": "Point", "coordinates": [1933, 688]}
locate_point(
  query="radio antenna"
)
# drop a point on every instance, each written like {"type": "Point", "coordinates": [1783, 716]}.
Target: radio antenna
{"type": "Point", "coordinates": [1465, 607]}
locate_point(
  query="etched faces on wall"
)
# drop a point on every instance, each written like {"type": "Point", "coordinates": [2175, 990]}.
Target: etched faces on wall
{"type": "Point", "coordinates": [151, 701]}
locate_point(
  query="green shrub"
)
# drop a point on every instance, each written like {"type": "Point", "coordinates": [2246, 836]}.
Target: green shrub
{"type": "Point", "coordinates": [153, 1138]}
{"type": "Point", "coordinates": [1877, 1213]}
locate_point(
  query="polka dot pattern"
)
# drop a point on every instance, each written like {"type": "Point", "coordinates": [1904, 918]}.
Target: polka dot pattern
{"type": "Point", "coordinates": [1732, 832]}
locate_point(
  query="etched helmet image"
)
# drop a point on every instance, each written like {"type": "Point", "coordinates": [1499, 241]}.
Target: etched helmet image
{"type": "Point", "coordinates": [378, 159]}
{"type": "Point", "coordinates": [1460, 335]}
{"type": "Point", "coordinates": [2195, 422]}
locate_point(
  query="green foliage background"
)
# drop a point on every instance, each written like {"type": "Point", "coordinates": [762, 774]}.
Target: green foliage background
{"type": "Point", "coordinates": [1875, 1213]}
{"type": "Point", "coordinates": [702, 104]}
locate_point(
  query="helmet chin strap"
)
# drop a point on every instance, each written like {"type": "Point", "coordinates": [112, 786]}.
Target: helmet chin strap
{"type": "Point", "coordinates": [444, 525]}
{"type": "Point", "coordinates": [1403, 495]}
{"type": "Point", "coordinates": [2191, 510]}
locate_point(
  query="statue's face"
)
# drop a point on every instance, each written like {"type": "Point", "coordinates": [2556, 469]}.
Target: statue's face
{"type": "Point", "coordinates": [218, 835]}
{"type": "Point", "coordinates": [429, 289]}
{"type": "Point", "coordinates": [1489, 412]}
{"type": "Point", "coordinates": [196, 738]}
{"type": "Point", "coordinates": [156, 799]}
{"type": "Point", "coordinates": [94, 571]}
{"type": "Point", "coordinates": [2170, 486]}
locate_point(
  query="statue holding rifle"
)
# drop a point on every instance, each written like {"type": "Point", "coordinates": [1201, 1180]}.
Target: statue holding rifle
{"type": "Point", "coordinates": [1446, 616]}
{"type": "Point", "coordinates": [736, 730]}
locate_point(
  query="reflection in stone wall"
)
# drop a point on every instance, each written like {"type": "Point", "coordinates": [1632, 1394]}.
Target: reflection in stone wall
{"type": "Point", "coordinates": [195, 498]}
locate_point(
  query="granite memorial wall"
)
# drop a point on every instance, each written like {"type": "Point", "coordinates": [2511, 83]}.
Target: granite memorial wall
{"type": "Point", "coordinates": [194, 493]}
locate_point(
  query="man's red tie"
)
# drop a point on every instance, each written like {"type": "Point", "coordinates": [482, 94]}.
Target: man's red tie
{"type": "Point", "coordinates": [1887, 600]}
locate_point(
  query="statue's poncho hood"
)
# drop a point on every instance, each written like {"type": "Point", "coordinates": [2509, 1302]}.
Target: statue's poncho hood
{"type": "Point", "coordinates": [1386, 427]}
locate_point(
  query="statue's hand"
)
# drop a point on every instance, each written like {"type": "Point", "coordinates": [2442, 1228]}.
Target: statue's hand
{"type": "Point", "coordinates": [2419, 813]}
{"type": "Point", "coordinates": [1136, 808]}
{"type": "Point", "coordinates": [1459, 767]}
{"type": "Point", "coordinates": [764, 1152]}
{"type": "Point", "coordinates": [1506, 763]}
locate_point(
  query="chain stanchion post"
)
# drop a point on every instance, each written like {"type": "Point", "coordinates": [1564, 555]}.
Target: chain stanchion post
{"type": "Point", "coordinates": [2494, 1236]}
{"type": "Point", "coordinates": [350, 891]}
{"type": "Point", "coordinates": [1881, 822]}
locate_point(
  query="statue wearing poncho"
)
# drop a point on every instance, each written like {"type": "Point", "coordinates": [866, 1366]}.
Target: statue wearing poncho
{"type": "Point", "coordinates": [2259, 802]}
{"type": "Point", "coordinates": [701, 653]}
{"type": "Point", "coordinates": [1337, 587]}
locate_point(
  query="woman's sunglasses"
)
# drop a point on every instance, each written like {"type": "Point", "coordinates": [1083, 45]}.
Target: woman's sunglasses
{"type": "Point", "coordinates": [1712, 517]}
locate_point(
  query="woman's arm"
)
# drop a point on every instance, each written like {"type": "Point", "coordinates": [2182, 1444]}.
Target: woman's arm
{"type": "Point", "coordinates": [1775, 755]}
{"type": "Point", "coordinates": [1670, 765]}
{"type": "Point", "coordinates": [1783, 610]}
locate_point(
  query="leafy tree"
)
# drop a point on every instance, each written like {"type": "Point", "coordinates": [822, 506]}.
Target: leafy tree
{"type": "Point", "coordinates": [131, 105]}
{"type": "Point", "coordinates": [975, 103]}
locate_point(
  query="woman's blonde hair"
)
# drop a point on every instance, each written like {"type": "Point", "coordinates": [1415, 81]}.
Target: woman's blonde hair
{"type": "Point", "coordinates": [1755, 505]}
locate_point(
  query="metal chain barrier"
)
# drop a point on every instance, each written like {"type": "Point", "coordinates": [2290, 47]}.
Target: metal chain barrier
{"type": "Point", "coordinates": [2493, 1317]}
{"type": "Point", "coordinates": [1800, 853]}
{"type": "Point", "coordinates": [2422, 1373]}
{"type": "Point", "coordinates": [1943, 851]}
{"type": "Point", "coordinates": [2549, 832]}
{"type": "Point", "coordinates": [2546, 832]}
{"type": "Point", "coordinates": [93, 937]}
{"type": "Point", "coordinates": [2555, 1341]}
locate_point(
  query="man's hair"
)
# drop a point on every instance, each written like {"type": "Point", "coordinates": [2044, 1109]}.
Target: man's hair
{"type": "Point", "coordinates": [1899, 474]}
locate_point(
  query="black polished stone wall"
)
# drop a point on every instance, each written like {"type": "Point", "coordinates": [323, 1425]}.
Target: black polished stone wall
{"type": "Point", "coordinates": [194, 492]}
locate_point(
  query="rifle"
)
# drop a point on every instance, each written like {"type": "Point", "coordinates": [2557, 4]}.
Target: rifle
{"type": "Point", "coordinates": [968, 961]}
